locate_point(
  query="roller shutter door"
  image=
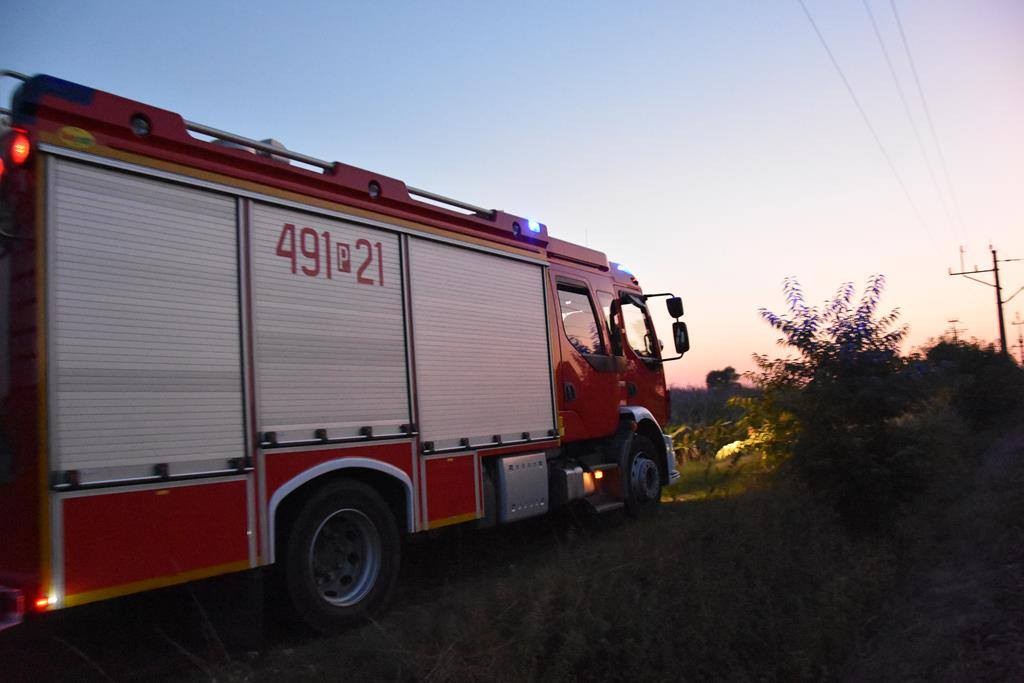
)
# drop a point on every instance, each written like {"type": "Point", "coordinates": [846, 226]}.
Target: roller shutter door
{"type": "Point", "coordinates": [481, 346]}
{"type": "Point", "coordinates": [145, 361]}
{"type": "Point", "coordinates": [330, 331]}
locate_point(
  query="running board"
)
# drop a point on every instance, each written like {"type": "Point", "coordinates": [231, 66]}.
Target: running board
{"type": "Point", "coordinates": [601, 503]}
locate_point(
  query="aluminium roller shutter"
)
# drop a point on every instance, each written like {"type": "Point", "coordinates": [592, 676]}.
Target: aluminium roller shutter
{"type": "Point", "coordinates": [145, 363]}
{"type": "Point", "coordinates": [481, 346]}
{"type": "Point", "coordinates": [329, 327]}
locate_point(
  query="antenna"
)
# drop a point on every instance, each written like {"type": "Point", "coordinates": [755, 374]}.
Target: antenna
{"type": "Point", "coordinates": [954, 330]}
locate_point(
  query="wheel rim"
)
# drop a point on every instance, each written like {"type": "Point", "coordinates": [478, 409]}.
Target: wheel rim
{"type": "Point", "coordinates": [344, 557]}
{"type": "Point", "coordinates": [644, 479]}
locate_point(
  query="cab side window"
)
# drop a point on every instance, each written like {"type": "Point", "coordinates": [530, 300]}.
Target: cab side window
{"type": "Point", "coordinates": [579, 319]}
{"type": "Point", "coordinates": [638, 331]}
{"type": "Point", "coordinates": [611, 314]}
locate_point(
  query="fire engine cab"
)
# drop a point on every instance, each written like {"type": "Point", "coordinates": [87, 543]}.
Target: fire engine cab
{"type": "Point", "coordinates": [217, 354]}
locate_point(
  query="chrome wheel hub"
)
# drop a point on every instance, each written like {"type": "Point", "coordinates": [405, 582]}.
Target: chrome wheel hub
{"type": "Point", "coordinates": [345, 557]}
{"type": "Point", "coordinates": [643, 478]}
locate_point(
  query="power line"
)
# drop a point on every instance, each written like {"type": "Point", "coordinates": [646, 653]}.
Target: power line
{"type": "Point", "coordinates": [928, 117]}
{"type": "Point", "coordinates": [913, 123]}
{"type": "Point", "coordinates": [867, 122]}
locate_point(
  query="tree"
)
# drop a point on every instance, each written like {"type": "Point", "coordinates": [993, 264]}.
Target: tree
{"type": "Point", "coordinates": [839, 339]}
{"type": "Point", "coordinates": [726, 377]}
{"type": "Point", "coordinates": [843, 392]}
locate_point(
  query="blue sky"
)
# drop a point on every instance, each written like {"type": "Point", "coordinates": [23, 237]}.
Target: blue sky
{"type": "Point", "coordinates": [710, 146]}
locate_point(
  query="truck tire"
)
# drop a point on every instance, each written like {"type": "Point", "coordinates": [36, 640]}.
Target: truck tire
{"type": "Point", "coordinates": [342, 556]}
{"type": "Point", "coordinates": [643, 493]}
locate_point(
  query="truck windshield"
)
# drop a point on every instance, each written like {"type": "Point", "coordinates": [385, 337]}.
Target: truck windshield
{"type": "Point", "coordinates": [638, 330]}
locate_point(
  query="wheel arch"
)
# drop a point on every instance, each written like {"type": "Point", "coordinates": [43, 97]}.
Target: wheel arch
{"type": "Point", "coordinates": [648, 427]}
{"type": "Point", "coordinates": [389, 481]}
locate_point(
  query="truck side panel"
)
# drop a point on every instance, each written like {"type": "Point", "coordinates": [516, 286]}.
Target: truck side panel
{"type": "Point", "coordinates": [119, 542]}
{"type": "Point", "coordinates": [451, 489]}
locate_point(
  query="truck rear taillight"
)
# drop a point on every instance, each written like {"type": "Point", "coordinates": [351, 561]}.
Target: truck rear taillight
{"type": "Point", "coordinates": [1, 168]}
{"type": "Point", "coordinates": [20, 148]}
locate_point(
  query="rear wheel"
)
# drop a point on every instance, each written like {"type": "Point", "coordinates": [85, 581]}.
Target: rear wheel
{"type": "Point", "coordinates": [644, 491]}
{"type": "Point", "coordinates": [342, 556]}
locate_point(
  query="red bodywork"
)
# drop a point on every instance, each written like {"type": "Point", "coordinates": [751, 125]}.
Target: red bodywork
{"type": "Point", "coordinates": [23, 509]}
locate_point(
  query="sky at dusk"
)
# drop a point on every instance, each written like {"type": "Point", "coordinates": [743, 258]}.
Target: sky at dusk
{"type": "Point", "coordinates": [710, 146]}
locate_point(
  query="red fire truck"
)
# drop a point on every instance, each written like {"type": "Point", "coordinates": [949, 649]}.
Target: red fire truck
{"type": "Point", "coordinates": [217, 354]}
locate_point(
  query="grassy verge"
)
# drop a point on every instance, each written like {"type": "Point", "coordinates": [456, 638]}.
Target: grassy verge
{"type": "Point", "coordinates": [741, 575]}
{"type": "Point", "coordinates": [699, 480]}
{"type": "Point", "coordinates": [734, 581]}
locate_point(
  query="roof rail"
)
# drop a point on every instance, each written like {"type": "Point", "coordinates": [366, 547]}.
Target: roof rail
{"type": "Point", "coordinates": [325, 165]}
{"type": "Point", "coordinates": [287, 154]}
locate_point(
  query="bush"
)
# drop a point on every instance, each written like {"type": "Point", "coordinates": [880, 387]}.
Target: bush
{"type": "Point", "coordinates": [985, 386]}
{"type": "Point", "coordinates": [859, 405]}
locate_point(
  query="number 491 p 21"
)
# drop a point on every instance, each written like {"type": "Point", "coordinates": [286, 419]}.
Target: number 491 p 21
{"type": "Point", "coordinates": [321, 256]}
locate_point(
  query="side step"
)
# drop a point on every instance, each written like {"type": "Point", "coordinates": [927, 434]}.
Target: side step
{"type": "Point", "coordinates": [602, 503]}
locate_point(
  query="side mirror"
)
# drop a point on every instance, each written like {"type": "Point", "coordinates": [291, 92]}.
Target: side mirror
{"type": "Point", "coordinates": [675, 306]}
{"type": "Point", "coordinates": [682, 337]}
{"type": "Point", "coordinates": [630, 298]}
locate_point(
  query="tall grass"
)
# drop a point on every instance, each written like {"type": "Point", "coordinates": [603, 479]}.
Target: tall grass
{"type": "Point", "coordinates": [762, 584]}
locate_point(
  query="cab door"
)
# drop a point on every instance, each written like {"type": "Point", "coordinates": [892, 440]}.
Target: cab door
{"type": "Point", "coordinates": [644, 378]}
{"type": "Point", "coordinates": [587, 382]}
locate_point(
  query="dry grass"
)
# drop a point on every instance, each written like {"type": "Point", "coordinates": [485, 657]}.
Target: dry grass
{"type": "Point", "coordinates": [761, 584]}
{"type": "Point", "coordinates": [741, 576]}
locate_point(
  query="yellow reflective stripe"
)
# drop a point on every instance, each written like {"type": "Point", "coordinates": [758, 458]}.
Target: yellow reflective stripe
{"type": "Point", "coordinates": [149, 584]}
{"type": "Point", "coordinates": [448, 521]}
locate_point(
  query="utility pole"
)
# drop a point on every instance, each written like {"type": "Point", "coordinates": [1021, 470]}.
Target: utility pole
{"type": "Point", "coordinates": [955, 330]}
{"type": "Point", "coordinates": [1020, 338]}
{"type": "Point", "coordinates": [999, 289]}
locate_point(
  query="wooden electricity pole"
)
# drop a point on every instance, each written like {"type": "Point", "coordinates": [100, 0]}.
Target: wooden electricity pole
{"type": "Point", "coordinates": [999, 290]}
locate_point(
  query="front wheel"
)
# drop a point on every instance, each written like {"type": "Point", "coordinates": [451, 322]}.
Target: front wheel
{"type": "Point", "coordinates": [644, 493]}
{"type": "Point", "coordinates": [342, 556]}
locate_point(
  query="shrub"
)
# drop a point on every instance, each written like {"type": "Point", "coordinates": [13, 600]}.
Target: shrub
{"type": "Point", "coordinates": [854, 399]}
{"type": "Point", "coordinates": [985, 386]}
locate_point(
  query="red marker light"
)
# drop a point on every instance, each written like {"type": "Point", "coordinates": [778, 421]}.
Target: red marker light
{"type": "Point", "coordinates": [20, 147]}
{"type": "Point", "coordinates": [42, 603]}
{"type": "Point", "coordinates": [1, 169]}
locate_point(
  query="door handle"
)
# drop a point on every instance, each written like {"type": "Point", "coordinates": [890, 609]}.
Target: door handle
{"type": "Point", "coordinates": [570, 391]}
{"type": "Point", "coordinates": [630, 389]}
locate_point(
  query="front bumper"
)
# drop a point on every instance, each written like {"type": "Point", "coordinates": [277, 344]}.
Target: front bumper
{"type": "Point", "coordinates": [670, 459]}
